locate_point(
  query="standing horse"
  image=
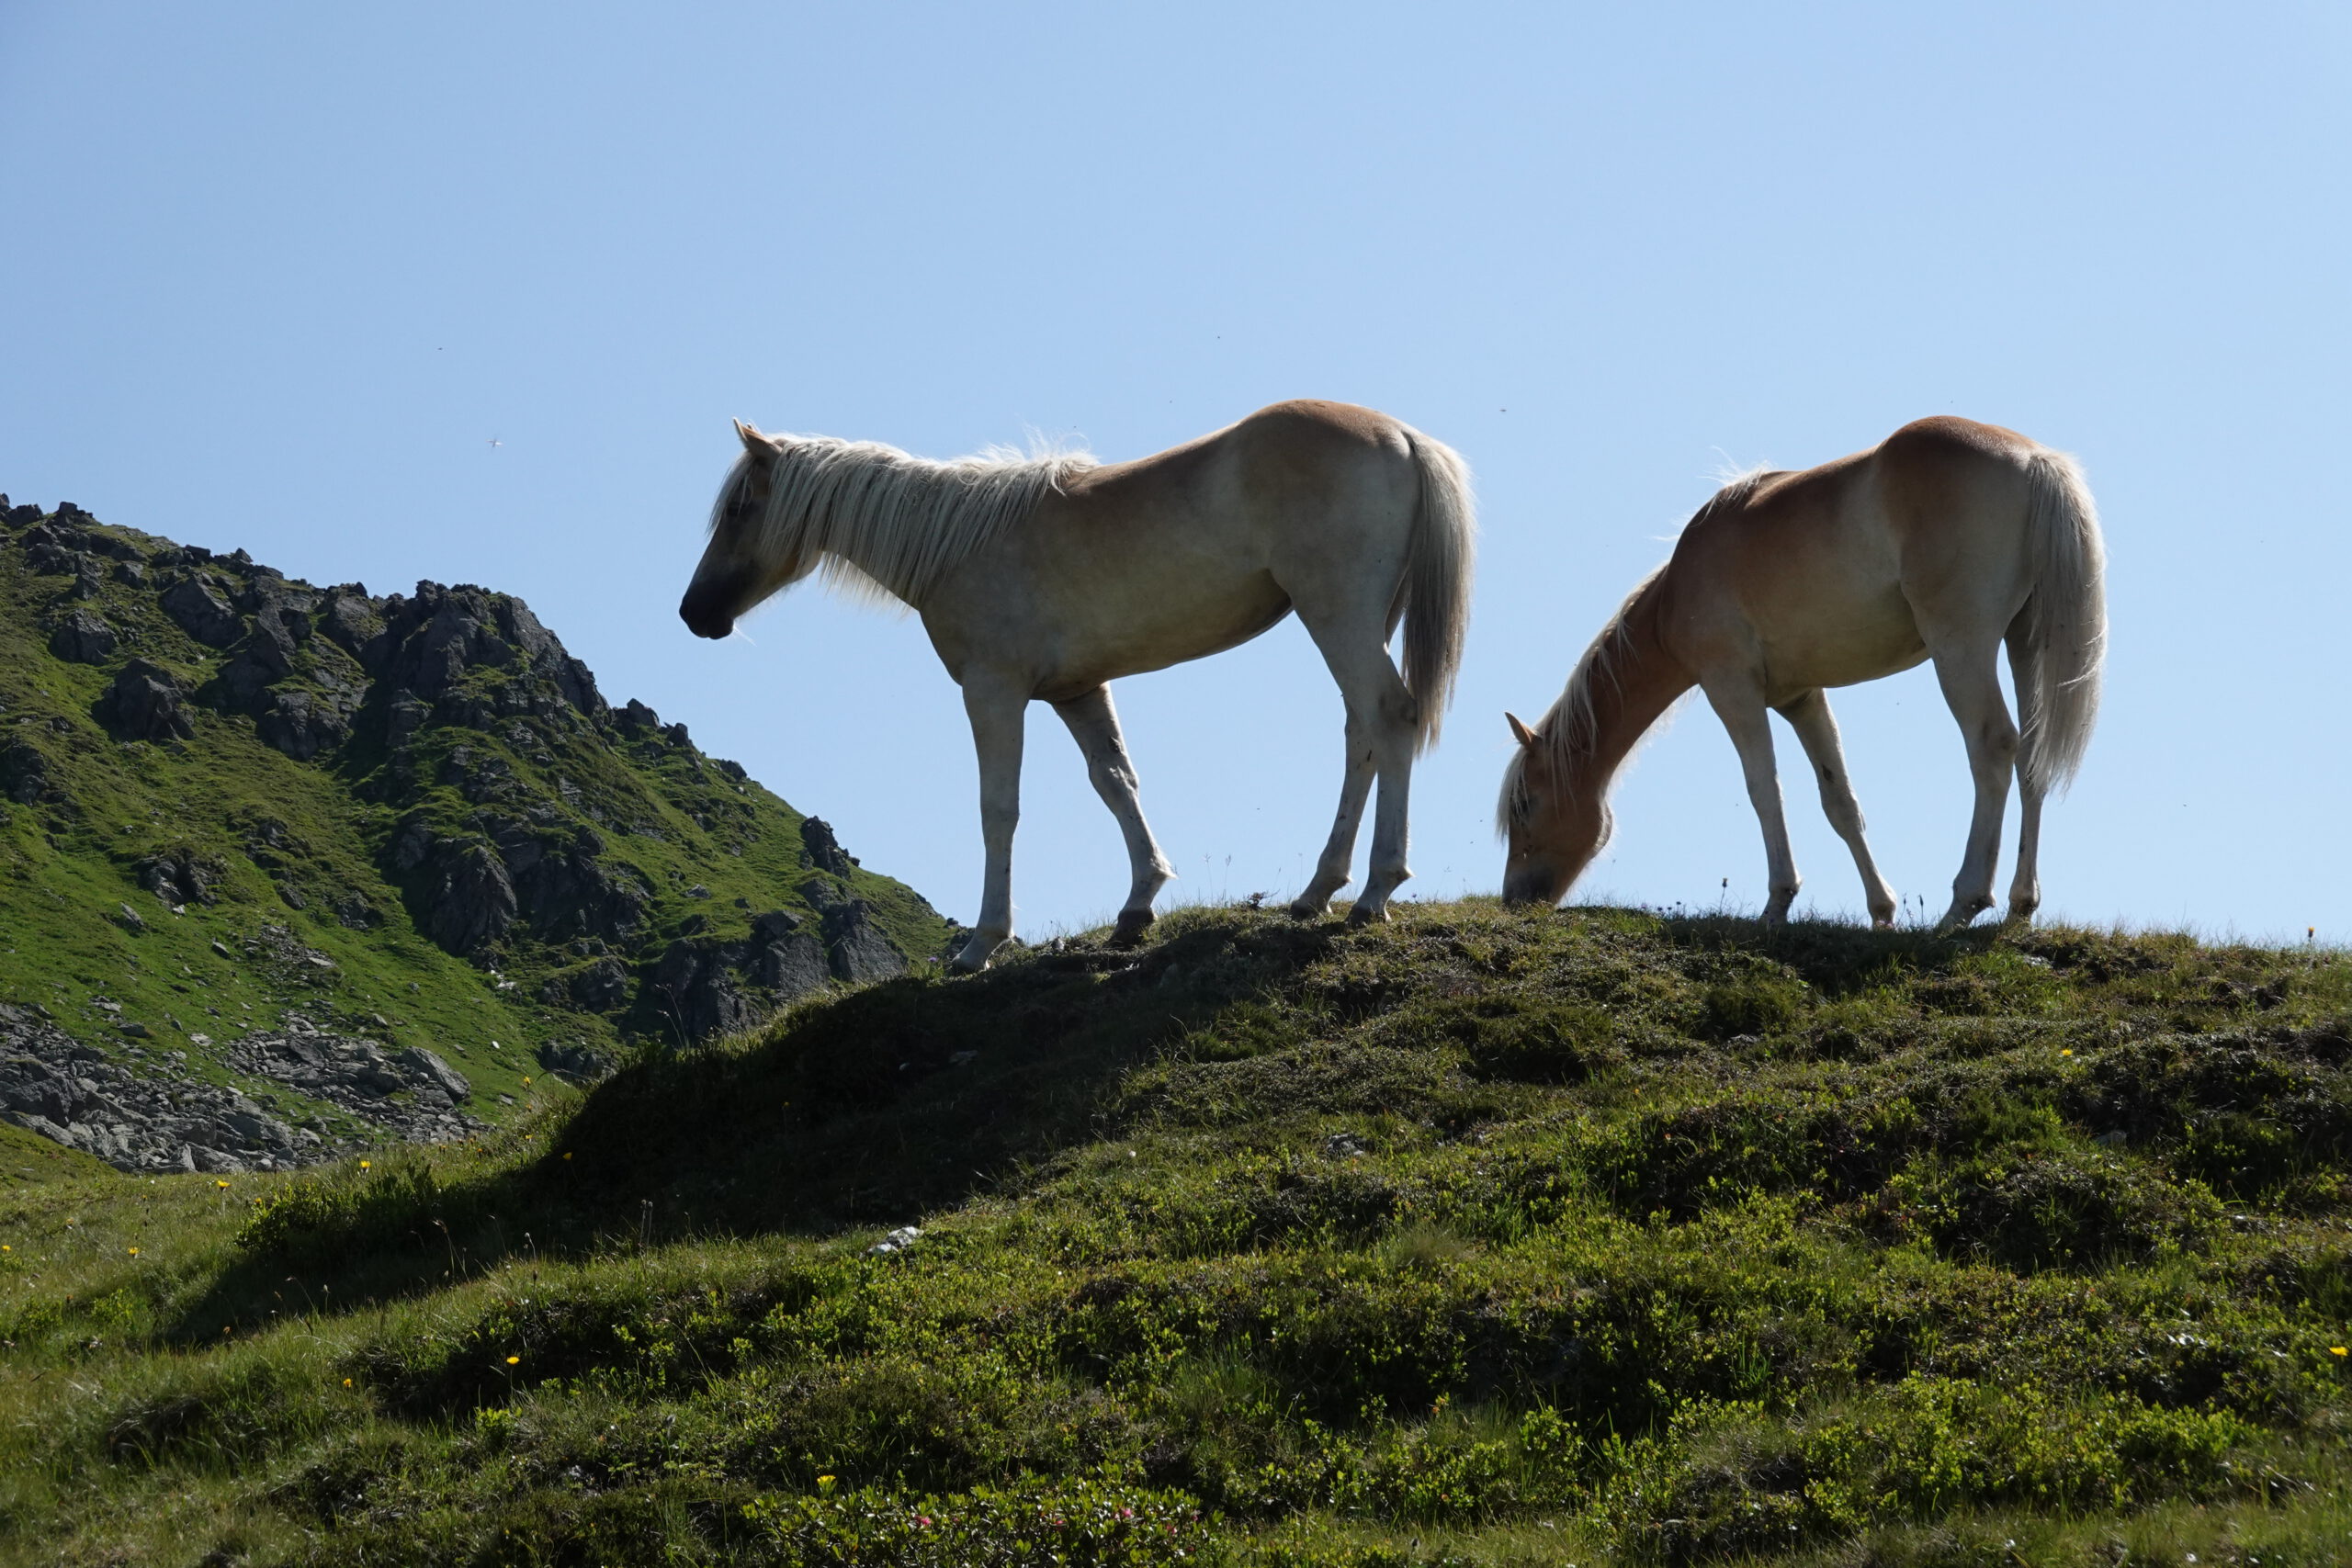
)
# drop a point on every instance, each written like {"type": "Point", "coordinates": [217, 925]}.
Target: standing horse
{"type": "Point", "coordinates": [1047, 578]}
{"type": "Point", "coordinates": [1945, 541]}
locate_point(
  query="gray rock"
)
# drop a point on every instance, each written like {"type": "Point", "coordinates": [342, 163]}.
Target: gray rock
{"type": "Point", "coordinates": [145, 703]}
{"type": "Point", "coordinates": [819, 848]}
{"type": "Point", "coordinates": [856, 947]}
{"type": "Point", "coordinates": [201, 613]}
{"type": "Point", "coordinates": [24, 773]}
{"type": "Point", "coordinates": [424, 1063]}
{"type": "Point", "coordinates": [83, 638]}
{"type": "Point", "coordinates": [301, 725]}
{"type": "Point", "coordinates": [471, 901]}
{"type": "Point", "coordinates": [574, 1063]}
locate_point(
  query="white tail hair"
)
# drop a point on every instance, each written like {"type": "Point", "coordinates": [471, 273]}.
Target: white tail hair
{"type": "Point", "coordinates": [2066, 625]}
{"type": "Point", "coordinates": [884, 523]}
{"type": "Point", "coordinates": [1436, 590]}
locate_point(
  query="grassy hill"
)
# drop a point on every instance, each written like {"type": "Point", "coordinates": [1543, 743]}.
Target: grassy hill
{"type": "Point", "coordinates": [228, 797]}
{"type": "Point", "coordinates": [1486, 1237]}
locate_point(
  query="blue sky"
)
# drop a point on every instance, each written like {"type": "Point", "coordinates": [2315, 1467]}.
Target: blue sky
{"type": "Point", "coordinates": [278, 275]}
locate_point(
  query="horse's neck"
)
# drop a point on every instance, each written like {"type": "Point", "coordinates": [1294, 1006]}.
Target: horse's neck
{"type": "Point", "coordinates": [1641, 682]}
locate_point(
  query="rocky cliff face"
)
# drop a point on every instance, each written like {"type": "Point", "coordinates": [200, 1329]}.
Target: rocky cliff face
{"type": "Point", "coordinates": [428, 779]}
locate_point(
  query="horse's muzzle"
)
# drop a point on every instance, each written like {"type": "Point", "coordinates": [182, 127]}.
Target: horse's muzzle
{"type": "Point", "coordinates": [705, 619]}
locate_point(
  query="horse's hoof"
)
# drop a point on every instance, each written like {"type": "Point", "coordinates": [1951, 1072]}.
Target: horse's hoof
{"type": "Point", "coordinates": [1310, 908]}
{"type": "Point", "coordinates": [972, 958]}
{"type": "Point", "coordinates": [1359, 916]}
{"type": "Point", "coordinates": [1131, 927]}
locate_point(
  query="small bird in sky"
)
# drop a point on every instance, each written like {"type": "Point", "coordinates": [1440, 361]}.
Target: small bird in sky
{"type": "Point", "coordinates": [494, 441]}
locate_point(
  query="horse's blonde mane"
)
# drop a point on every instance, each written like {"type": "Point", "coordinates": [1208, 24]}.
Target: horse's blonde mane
{"type": "Point", "coordinates": [885, 524]}
{"type": "Point", "coordinates": [1570, 728]}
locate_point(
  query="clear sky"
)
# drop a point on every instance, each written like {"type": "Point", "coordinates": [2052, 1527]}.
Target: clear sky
{"type": "Point", "coordinates": [279, 276]}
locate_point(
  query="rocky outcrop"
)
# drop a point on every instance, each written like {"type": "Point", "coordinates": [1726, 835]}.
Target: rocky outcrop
{"type": "Point", "coordinates": [300, 725]}
{"type": "Point", "coordinates": [179, 877]}
{"type": "Point", "coordinates": [819, 848]}
{"type": "Point", "coordinates": [705, 988]}
{"type": "Point", "coordinates": [856, 948]}
{"type": "Point", "coordinates": [82, 638]}
{"type": "Point", "coordinates": [472, 899]}
{"type": "Point", "coordinates": [535, 827]}
{"type": "Point", "coordinates": [201, 612]}
{"type": "Point", "coordinates": [24, 773]}
{"type": "Point", "coordinates": [145, 703]}
{"type": "Point", "coordinates": [551, 880]}
{"type": "Point", "coordinates": [149, 1116]}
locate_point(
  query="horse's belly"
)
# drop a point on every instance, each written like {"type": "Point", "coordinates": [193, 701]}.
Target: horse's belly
{"type": "Point", "coordinates": [1845, 652]}
{"type": "Point", "coordinates": [1176, 619]}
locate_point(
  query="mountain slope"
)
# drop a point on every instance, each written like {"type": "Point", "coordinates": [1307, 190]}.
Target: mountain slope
{"type": "Point", "coordinates": [301, 844]}
{"type": "Point", "coordinates": [1491, 1236]}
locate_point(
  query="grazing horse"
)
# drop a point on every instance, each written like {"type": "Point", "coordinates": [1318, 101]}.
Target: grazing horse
{"type": "Point", "coordinates": [1049, 577]}
{"type": "Point", "coordinates": [1943, 543]}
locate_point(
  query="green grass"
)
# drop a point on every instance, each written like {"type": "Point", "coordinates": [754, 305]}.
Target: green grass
{"type": "Point", "coordinates": [1488, 1237]}
{"type": "Point", "coordinates": [289, 842]}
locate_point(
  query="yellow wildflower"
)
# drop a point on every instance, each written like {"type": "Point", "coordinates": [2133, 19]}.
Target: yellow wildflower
{"type": "Point", "coordinates": [2339, 1349]}
{"type": "Point", "coordinates": [134, 1252]}
{"type": "Point", "coordinates": [346, 1383]}
{"type": "Point", "coordinates": [364, 1165]}
{"type": "Point", "coordinates": [513, 1361]}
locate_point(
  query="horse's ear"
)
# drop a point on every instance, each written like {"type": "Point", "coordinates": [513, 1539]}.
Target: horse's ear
{"type": "Point", "coordinates": [752, 438]}
{"type": "Point", "coordinates": [1520, 732]}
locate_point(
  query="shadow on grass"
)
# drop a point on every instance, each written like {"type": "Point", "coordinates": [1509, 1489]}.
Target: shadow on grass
{"type": "Point", "coordinates": [875, 1108]}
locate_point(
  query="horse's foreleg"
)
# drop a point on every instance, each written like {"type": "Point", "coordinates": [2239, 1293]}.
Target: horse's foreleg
{"type": "Point", "coordinates": [1972, 691]}
{"type": "Point", "coordinates": [2025, 670]}
{"type": "Point", "coordinates": [1094, 725]}
{"type": "Point", "coordinates": [1817, 729]}
{"type": "Point", "coordinates": [1749, 724]}
{"type": "Point", "coordinates": [996, 711]}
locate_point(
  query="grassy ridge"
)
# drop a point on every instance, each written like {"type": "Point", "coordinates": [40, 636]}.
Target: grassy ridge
{"type": "Point", "coordinates": [1486, 1237]}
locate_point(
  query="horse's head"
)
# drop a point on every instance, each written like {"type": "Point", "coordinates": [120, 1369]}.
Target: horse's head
{"type": "Point", "coordinates": [741, 565]}
{"type": "Point", "coordinates": [1553, 827]}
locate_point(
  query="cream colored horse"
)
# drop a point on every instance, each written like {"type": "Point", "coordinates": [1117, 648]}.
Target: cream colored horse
{"type": "Point", "coordinates": [1943, 543]}
{"type": "Point", "coordinates": [1047, 578]}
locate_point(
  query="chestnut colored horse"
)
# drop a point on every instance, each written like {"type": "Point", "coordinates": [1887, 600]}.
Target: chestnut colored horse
{"type": "Point", "coordinates": [1047, 578]}
{"type": "Point", "coordinates": [1947, 540]}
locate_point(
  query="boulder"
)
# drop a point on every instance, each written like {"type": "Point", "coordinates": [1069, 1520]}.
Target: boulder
{"type": "Point", "coordinates": [424, 1064]}
{"type": "Point", "coordinates": [201, 613]}
{"type": "Point", "coordinates": [24, 773]}
{"type": "Point", "coordinates": [82, 638]}
{"type": "Point", "coordinates": [145, 703]}
{"type": "Point", "coordinates": [301, 725]}
{"type": "Point", "coordinates": [573, 1063]}
{"type": "Point", "coordinates": [178, 876]}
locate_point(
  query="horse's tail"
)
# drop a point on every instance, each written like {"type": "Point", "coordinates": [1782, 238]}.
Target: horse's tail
{"type": "Point", "coordinates": [1436, 590]}
{"type": "Point", "coordinates": [2067, 619]}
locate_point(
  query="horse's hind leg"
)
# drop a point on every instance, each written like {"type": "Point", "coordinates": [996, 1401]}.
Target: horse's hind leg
{"type": "Point", "coordinates": [1094, 725]}
{"type": "Point", "coordinates": [1972, 691]}
{"type": "Point", "coordinates": [1817, 729]}
{"type": "Point", "coordinates": [1382, 721]}
{"type": "Point", "coordinates": [997, 710]}
{"type": "Point", "coordinates": [2024, 673]}
{"type": "Point", "coordinates": [1340, 850]}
